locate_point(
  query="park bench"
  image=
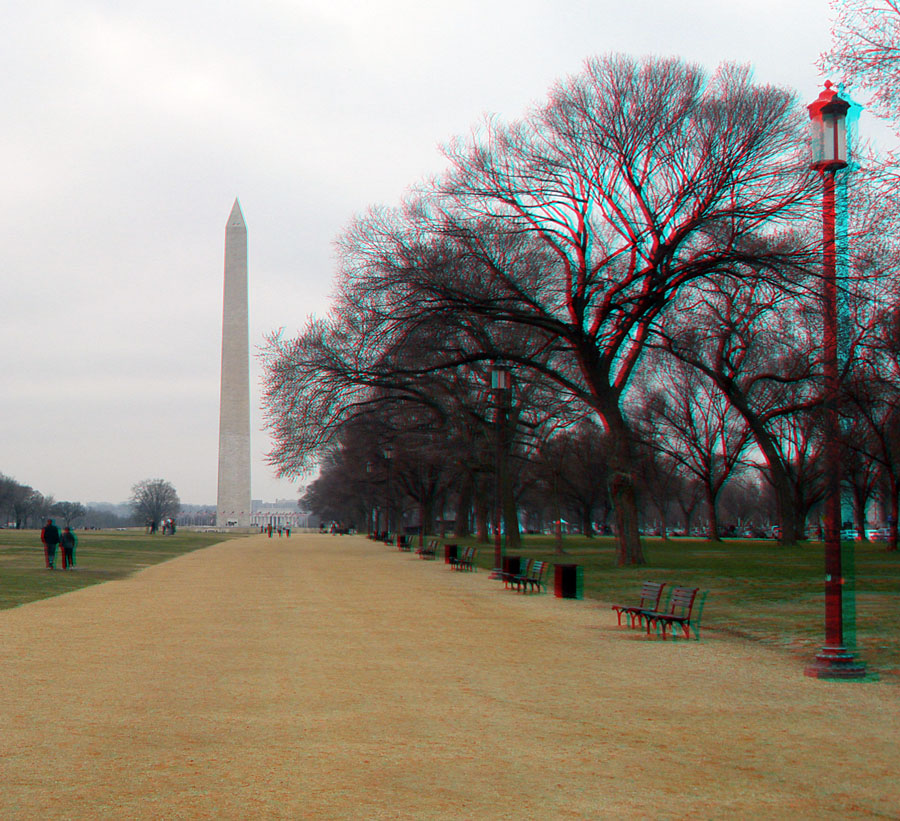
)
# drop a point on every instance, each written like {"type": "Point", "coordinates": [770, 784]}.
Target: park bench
{"type": "Point", "coordinates": [428, 551]}
{"type": "Point", "coordinates": [679, 612]}
{"type": "Point", "coordinates": [403, 543]}
{"type": "Point", "coordinates": [510, 578]}
{"type": "Point", "coordinates": [464, 562]}
{"type": "Point", "coordinates": [651, 592]}
{"type": "Point", "coordinates": [533, 577]}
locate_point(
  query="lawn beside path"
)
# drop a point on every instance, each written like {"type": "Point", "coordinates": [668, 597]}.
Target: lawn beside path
{"type": "Point", "coordinates": [334, 677]}
{"type": "Point", "coordinates": [757, 590]}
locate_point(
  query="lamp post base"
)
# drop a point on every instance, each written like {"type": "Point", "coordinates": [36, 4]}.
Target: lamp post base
{"type": "Point", "coordinates": [836, 663]}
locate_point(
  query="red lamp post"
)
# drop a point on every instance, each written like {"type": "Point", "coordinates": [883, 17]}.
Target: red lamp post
{"type": "Point", "coordinates": [829, 136]}
{"type": "Point", "coordinates": [501, 384]}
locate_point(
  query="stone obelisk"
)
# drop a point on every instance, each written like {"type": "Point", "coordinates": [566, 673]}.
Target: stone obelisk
{"type": "Point", "coordinates": [233, 502]}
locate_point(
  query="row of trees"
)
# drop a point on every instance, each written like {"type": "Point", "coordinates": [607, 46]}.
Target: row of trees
{"type": "Point", "coordinates": [21, 506]}
{"type": "Point", "coordinates": [560, 484]}
{"type": "Point", "coordinates": [643, 253]}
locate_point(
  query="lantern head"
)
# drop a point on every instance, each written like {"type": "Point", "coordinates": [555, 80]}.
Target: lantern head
{"type": "Point", "coordinates": [829, 130]}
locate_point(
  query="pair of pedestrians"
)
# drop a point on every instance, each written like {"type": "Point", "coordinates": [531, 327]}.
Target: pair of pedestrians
{"type": "Point", "coordinates": [67, 541]}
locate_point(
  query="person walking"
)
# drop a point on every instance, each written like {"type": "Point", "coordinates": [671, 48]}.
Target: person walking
{"type": "Point", "coordinates": [50, 538]}
{"type": "Point", "coordinates": [68, 542]}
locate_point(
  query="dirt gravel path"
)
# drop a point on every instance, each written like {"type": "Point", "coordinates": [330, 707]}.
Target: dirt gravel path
{"type": "Point", "coordinates": [329, 677]}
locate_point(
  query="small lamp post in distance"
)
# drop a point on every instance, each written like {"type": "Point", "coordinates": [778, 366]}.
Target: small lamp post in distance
{"type": "Point", "coordinates": [828, 115]}
{"type": "Point", "coordinates": [501, 384]}
{"type": "Point", "coordinates": [388, 453]}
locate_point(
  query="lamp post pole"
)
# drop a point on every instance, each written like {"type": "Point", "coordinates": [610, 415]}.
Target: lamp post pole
{"type": "Point", "coordinates": [389, 456]}
{"type": "Point", "coordinates": [371, 519]}
{"type": "Point", "coordinates": [500, 385]}
{"type": "Point", "coordinates": [828, 114]}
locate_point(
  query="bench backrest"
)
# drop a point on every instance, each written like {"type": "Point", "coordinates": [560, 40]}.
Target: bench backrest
{"type": "Point", "coordinates": [524, 571]}
{"type": "Point", "coordinates": [537, 570]}
{"type": "Point", "coordinates": [651, 593]}
{"type": "Point", "coordinates": [468, 553]}
{"type": "Point", "coordinates": [682, 600]}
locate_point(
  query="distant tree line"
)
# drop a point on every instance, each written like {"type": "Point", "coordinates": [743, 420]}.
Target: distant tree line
{"type": "Point", "coordinates": [641, 254]}
{"type": "Point", "coordinates": [21, 506]}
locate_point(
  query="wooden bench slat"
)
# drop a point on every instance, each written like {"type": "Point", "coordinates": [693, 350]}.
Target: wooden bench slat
{"type": "Point", "coordinates": [681, 605]}
{"type": "Point", "coordinates": [679, 610]}
{"type": "Point", "coordinates": [651, 592]}
{"type": "Point", "coordinates": [533, 577]}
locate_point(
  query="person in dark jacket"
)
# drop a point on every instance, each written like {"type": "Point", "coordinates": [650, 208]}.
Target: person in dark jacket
{"type": "Point", "coordinates": [68, 541]}
{"type": "Point", "coordinates": [50, 538]}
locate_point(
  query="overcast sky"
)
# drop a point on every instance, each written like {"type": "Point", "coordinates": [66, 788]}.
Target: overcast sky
{"type": "Point", "coordinates": [129, 128]}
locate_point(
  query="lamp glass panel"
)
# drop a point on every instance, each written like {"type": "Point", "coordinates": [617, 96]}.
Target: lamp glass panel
{"type": "Point", "coordinates": [817, 134]}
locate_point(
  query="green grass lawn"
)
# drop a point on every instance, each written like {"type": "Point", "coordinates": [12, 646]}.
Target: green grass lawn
{"type": "Point", "coordinates": [102, 555]}
{"type": "Point", "coordinates": [756, 589]}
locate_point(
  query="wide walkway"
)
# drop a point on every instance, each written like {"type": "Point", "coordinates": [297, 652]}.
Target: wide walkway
{"type": "Point", "coordinates": [335, 678]}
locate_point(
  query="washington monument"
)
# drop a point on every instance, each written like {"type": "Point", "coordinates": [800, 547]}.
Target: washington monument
{"type": "Point", "coordinates": [233, 502]}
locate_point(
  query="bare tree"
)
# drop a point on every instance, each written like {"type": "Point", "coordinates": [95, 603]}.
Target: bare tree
{"type": "Point", "coordinates": [691, 421]}
{"type": "Point", "coordinates": [154, 500]}
{"type": "Point", "coordinates": [69, 512]}
{"type": "Point", "coordinates": [36, 507]}
{"type": "Point", "coordinates": [866, 49]}
{"type": "Point", "coordinates": [661, 480]}
{"type": "Point", "coordinates": [12, 497]}
{"type": "Point", "coordinates": [758, 343]}
{"type": "Point", "coordinates": [581, 222]}
{"type": "Point", "coordinates": [571, 466]}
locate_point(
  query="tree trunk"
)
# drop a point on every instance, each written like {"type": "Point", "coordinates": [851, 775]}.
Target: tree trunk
{"type": "Point", "coordinates": [587, 526]}
{"type": "Point", "coordinates": [688, 518]}
{"type": "Point", "coordinates": [778, 475]}
{"type": "Point", "coordinates": [511, 520]}
{"type": "Point", "coordinates": [894, 506]}
{"type": "Point", "coordinates": [464, 507]}
{"type": "Point", "coordinates": [859, 512]}
{"type": "Point", "coordinates": [481, 518]}
{"type": "Point", "coordinates": [621, 490]}
{"type": "Point", "coordinates": [713, 515]}
{"type": "Point", "coordinates": [557, 530]}
{"type": "Point", "coordinates": [424, 516]}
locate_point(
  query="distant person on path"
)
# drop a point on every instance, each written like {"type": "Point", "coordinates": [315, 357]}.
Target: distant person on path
{"type": "Point", "coordinates": [68, 541]}
{"type": "Point", "coordinates": [50, 538]}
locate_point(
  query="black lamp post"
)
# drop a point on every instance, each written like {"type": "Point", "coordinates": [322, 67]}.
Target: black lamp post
{"type": "Point", "coordinates": [388, 452]}
{"type": "Point", "coordinates": [829, 139]}
{"type": "Point", "coordinates": [501, 384]}
{"type": "Point", "coordinates": [372, 523]}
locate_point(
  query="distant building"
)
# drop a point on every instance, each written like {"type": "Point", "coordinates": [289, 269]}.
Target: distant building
{"type": "Point", "coordinates": [280, 513]}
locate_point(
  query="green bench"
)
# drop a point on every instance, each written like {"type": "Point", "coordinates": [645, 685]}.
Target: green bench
{"type": "Point", "coordinates": [464, 562]}
{"type": "Point", "coordinates": [532, 577]}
